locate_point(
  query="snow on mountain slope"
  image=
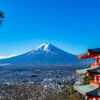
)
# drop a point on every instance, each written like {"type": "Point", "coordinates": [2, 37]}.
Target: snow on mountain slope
{"type": "Point", "coordinates": [44, 55]}
{"type": "Point", "coordinates": [47, 48]}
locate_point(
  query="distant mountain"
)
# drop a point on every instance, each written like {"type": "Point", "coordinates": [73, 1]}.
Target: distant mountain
{"type": "Point", "coordinates": [45, 55]}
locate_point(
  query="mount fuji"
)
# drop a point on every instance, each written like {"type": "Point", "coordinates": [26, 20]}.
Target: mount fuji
{"type": "Point", "coordinates": [44, 55]}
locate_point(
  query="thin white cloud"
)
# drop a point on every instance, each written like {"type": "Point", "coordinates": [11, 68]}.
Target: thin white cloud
{"type": "Point", "coordinates": [4, 57]}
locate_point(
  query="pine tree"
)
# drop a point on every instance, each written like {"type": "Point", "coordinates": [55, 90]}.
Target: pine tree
{"type": "Point", "coordinates": [1, 17]}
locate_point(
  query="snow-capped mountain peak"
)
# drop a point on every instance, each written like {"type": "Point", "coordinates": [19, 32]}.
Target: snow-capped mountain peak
{"type": "Point", "coordinates": [45, 55]}
{"type": "Point", "coordinates": [44, 47]}
{"type": "Point", "coordinates": [44, 44]}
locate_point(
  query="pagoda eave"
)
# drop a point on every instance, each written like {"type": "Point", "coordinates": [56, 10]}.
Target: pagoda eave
{"type": "Point", "coordinates": [84, 89]}
{"type": "Point", "coordinates": [94, 71]}
{"type": "Point", "coordinates": [83, 71]}
{"type": "Point", "coordinates": [94, 93]}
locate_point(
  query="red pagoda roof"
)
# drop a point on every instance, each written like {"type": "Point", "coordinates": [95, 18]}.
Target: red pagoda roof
{"type": "Point", "coordinates": [90, 54]}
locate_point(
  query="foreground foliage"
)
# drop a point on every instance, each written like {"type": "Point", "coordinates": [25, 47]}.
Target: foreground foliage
{"type": "Point", "coordinates": [36, 92]}
{"type": "Point", "coordinates": [68, 93]}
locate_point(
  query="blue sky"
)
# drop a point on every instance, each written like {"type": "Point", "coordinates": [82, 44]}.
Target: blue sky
{"type": "Point", "coordinates": [72, 25]}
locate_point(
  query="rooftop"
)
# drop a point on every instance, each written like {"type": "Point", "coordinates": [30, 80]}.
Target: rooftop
{"type": "Point", "coordinates": [95, 50]}
{"type": "Point", "coordinates": [83, 71]}
{"type": "Point", "coordinates": [84, 89]}
{"type": "Point", "coordinates": [86, 55]}
{"type": "Point", "coordinates": [96, 70]}
{"type": "Point", "coordinates": [95, 92]}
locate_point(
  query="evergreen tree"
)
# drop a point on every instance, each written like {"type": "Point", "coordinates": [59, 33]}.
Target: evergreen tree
{"type": "Point", "coordinates": [87, 80]}
{"type": "Point", "coordinates": [1, 17]}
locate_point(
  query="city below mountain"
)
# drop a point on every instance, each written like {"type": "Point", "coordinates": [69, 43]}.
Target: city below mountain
{"type": "Point", "coordinates": [43, 56]}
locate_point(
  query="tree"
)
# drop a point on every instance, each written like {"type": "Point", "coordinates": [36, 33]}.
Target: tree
{"type": "Point", "coordinates": [26, 91]}
{"type": "Point", "coordinates": [1, 17]}
{"type": "Point", "coordinates": [87, 80]}
{"type": "Point", "coordinates": [68, 93]}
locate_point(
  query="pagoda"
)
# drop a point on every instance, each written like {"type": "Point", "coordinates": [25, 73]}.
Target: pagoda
{"type": "Point", "coordinates": [92, 90]}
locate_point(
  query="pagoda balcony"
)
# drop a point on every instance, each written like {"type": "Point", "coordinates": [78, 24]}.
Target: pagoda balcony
{"type": "Point", "coordinates": [94, 65]}
{"type": "Point", "coordinates": [92, 82]}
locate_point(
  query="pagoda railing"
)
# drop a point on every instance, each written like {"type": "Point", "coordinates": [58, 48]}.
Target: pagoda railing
{"type": "Point", "coordinates": [95, 64]}
{"type": "Point", "coordinates": [94, 82]}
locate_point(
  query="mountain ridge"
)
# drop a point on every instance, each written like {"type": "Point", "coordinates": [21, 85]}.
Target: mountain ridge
{"type": "Point", "coordinates": [44, 55]}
